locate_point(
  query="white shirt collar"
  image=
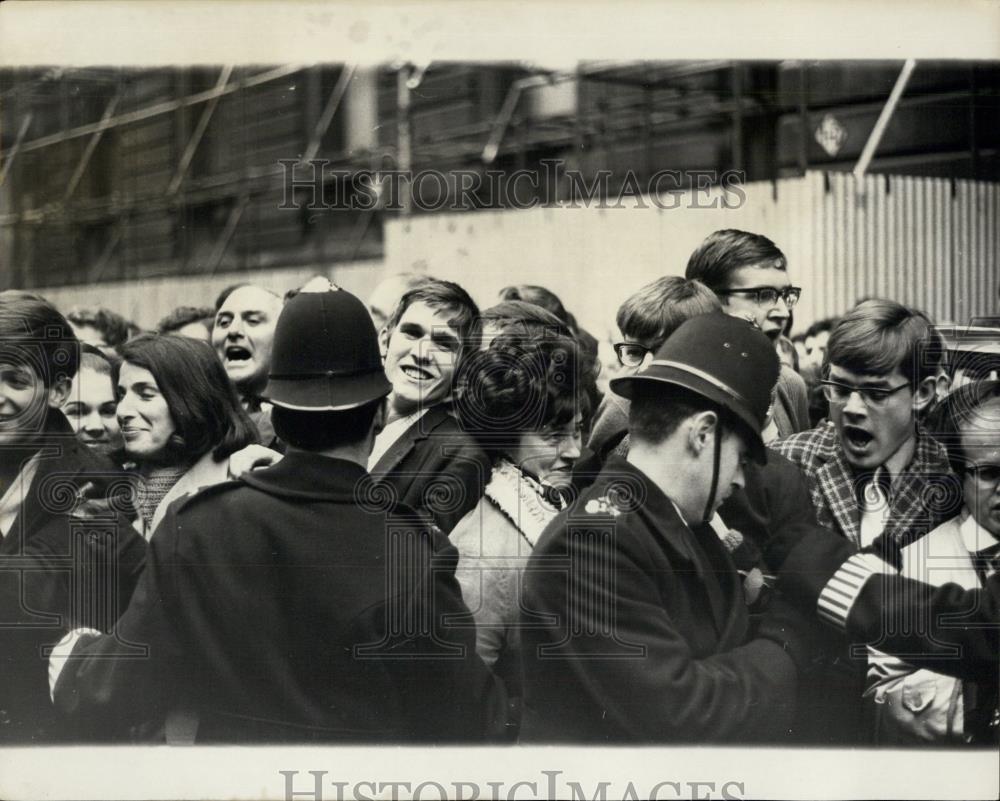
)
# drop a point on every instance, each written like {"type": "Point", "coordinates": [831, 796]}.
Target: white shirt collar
{"type": "Point", "coordinates": [10, 503]}
{"type": "Point", "coordinates": [388, 436]}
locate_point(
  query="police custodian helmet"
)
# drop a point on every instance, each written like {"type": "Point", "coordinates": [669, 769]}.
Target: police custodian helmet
{"type": "Point", "coordinates": [325, 355]}
{"type": "Point", "coordinates": [725, 359]}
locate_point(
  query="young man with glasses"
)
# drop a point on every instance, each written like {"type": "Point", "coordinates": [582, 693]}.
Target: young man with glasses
{"type": "Point", "coordinates": [871, 469]}
{"type": "Point", "coordinates": [645, 320]}
{"type": "Point", "coordinates": [749, 273]}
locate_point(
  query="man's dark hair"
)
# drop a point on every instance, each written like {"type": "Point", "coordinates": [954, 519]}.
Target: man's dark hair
{"type": "Point", "coordinates": [319, 431]}
{"type": "Point", "coordinates": [826, 324]}
{"type": "Point", "coordinates": [202, 400]}
{"type": "Point", "coordinates": [33, 326]}
{"type": "Point", "coordinates": [723, 252]}
{"type": "Point", "coordinates": [656, 310]}
{"type": "Point", "coordinates": [657, 411]}
{"type": "Point", "coordinates": [113, 327]}
{"type": "Point", "coordinates": [185, 315]}
{"type": "Point", "coordinates": [444, 296]}
{"type": "Point", "coordinates": [877, 336]}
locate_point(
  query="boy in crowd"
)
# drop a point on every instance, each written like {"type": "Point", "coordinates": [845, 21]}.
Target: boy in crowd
{"type": "Point", "coordinates": [422, 453]}
{"type": "Point", "coordinates": [871, 469]}
{"type": "Point", "coordinates": [645, 320]}
{"type": "Point", "coordinates": [750, 275]}
{"type": "Point", "coordinates": [59, 565]}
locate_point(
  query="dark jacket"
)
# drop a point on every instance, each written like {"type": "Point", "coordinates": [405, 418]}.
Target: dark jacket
{"type": "Point", "coordinates": [436, 468]}
{"type": "Point", "coordinates": [280, 608]}
{"type": "Point", "coordinates": [639, 630]}
{"type": "Point", "coordinates": [71, 558]}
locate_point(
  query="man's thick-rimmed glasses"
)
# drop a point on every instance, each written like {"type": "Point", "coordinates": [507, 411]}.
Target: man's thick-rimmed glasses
{"type": "Point", "coordinates": [767, 295]}
{"type": "Point", "coordinates": [987, 474]}
{"type": "Point", "coordinates": [631, 354]}
{"type": "Point", "coordinates": [873, 397]}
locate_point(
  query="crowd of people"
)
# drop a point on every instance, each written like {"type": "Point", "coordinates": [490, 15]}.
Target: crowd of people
{"type": "Point", "coordinates": [305, 518]}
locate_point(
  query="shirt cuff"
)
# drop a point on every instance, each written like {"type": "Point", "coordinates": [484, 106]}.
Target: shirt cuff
{"type": "Point", "coordinates": [841, 591]}
{"type": "Point", "coordinates": [61, 651]}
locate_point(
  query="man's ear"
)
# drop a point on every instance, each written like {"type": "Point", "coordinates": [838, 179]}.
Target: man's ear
{"type": "Point", "coordinates": [383, 341]}
{"type": "Point", "coordinates": [701, 430]}
{"type": "Point", "coordinates": [942, 384]}
{"type": "Point", "coordinates": [924, 393]}
{"type": "Point", "coordinates": [59, 392]}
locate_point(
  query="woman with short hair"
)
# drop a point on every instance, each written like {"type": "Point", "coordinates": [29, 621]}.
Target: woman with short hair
{"type": "Point", "coordinates": [524, 400]}
{"type": "Point", "coordinates": [180, 421]}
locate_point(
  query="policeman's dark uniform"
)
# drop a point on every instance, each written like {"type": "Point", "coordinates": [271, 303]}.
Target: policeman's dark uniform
{"type": "Point", "coordinates": [291, 605]}
{"type": "Point", "coordinates": [635, 625]}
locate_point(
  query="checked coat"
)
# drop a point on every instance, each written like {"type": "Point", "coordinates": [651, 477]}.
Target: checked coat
{"type": "Point", "coordinates": [925, 494]}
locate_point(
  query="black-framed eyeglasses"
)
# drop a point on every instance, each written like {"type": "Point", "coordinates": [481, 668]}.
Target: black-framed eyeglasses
{"type": "Point", "coordinates": [988, 474]}
{"type": "Point", "coordinates": [767, 295]}
{"type": "Point", "coordinates": [873, 397]}
{"type": "Point", "coordinates": [631, 354]}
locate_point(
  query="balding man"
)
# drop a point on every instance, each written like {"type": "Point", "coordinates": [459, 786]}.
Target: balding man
{"type": "Point", "coordinates": [242, 336]}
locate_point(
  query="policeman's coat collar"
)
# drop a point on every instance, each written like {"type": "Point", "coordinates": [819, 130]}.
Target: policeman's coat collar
{"type": "Point", "coordinates": [310, 476]}
{"type": "Point", "coordinates": [628, 490]}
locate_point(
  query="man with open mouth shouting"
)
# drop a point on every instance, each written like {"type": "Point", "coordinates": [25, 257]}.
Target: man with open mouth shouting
{"type": "Point", "coordinates": [431, 464]}
{"type": "Point", "coordinates": [242, 336]}
{"type": "Point", "coordinates": [871, 468]}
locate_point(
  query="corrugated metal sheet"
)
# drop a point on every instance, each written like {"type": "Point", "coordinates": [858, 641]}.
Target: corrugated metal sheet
{"type": "Point", "coordinates": [926, 242]}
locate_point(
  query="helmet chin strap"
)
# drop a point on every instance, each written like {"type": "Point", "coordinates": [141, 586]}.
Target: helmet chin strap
{"type": "Point", "coordinates": [716, 459]}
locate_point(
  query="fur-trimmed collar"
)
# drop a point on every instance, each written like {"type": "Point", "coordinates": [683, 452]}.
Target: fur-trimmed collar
{"type": "Point", "coordinates": [521, 499]}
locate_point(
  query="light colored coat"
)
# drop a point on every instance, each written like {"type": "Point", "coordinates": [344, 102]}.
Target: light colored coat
{"type": "Point", "coordinates": [918, 705]}
{"type": "Point", "coordinates": [494, 542]}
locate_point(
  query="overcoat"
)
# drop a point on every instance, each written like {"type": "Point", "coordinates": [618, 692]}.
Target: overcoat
{"type": "Point", "coordinates": [635, 628]}
{"type": "Point", "coordinates": [291, 605]}
{"type": "Point", "coordinates": [70, 558]}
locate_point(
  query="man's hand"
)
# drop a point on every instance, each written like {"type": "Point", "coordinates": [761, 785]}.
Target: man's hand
{"type": "Point", "coordinates": [250, 458]}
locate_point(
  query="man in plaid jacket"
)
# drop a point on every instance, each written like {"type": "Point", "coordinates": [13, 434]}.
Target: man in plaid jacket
{"type": "Point", "coordinates": [871, 469]}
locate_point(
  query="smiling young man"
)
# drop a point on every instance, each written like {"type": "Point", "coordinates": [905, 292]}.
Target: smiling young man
{"type": "Point", "coordinates": [749, 273]}
{"type": "Point", "coordinates": [242, 336]}
{"type": "Point", "coordinates": [58, 567]}
{"type": "Point", "coordinates": [423, 453]}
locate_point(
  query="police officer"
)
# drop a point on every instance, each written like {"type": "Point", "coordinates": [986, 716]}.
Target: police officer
{"type": "Point", "coordinates": [652, 640]}
{"type": "Point", "coordinates": [292, 605]}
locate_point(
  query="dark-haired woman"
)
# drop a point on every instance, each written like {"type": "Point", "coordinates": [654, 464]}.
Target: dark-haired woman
{"type": "Point", "coordinates": [180, 420]}
{"type": "Point", "coordinates": [525, 400]}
